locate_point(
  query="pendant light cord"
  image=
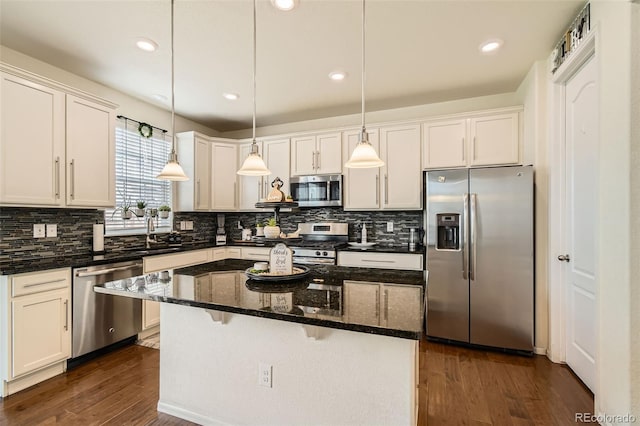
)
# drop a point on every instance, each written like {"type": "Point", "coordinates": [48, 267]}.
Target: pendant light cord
{"type": "Point", "coordinates": [254, 71]}
{"type": "Point", "coordinates": [363, 73]}
{"type": "Point", "coordinates": [173, 100]}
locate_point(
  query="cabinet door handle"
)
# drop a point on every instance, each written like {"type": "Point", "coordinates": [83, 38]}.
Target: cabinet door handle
{"type": "Point", "coordinates": [473, 149]}
{"type": "Point", "coordinates": [259, 190]}
{"type": "Point", "coordinates": [378, 261]}
{"type": "Point", "coordinates": [377, 303]}
{"type": "Point", "coordinates": [313, 160]}
{"type": "Point", "coordinates": [377, 190]}
{"type": "Point", "coordinates": [386, 304]}
{"type": "Point", "coordinates": [66, 314]}
{"type": "Point", "coordinates": [235, 194]}
{"type": "Point", "coordinates": [43, 282]}
{"type": "Point", "coordinates": [463, 151]}
{"type": "Point", "coordinates": [57, 176]}
{"type": "Point", "coordinates": [318, 160]}
{"type": "Point", "coordinates": [386, 189]}
{"type": "Point", "coordinates": [72, 178]}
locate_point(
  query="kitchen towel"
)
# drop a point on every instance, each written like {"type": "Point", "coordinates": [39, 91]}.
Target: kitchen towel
{"type": "Point", "coordinates": [98, 237]}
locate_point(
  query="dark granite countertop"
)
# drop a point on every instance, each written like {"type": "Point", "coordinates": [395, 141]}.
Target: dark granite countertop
{"type": "Point", "coordinates": [88, 259]}
{"type": "Point", "coordinates": [330, 296]}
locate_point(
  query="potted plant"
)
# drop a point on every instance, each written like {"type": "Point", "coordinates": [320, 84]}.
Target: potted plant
{"type": "Point", "coordinates": [163, 211]}
{"type": "Point", "coordinates": [272, 230]}
{"type": "Point", "coordinates": [259, 229]}
{"type": "Point", "coordinates": [289, 199]}
{"type": "Point", "coordinates": [140, 206]}
{"type": "Point", "coordinates": [124, 209]}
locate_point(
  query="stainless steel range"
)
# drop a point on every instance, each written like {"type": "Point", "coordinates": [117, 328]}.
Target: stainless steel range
{"type": "Point", "coordinates": [319, 241]}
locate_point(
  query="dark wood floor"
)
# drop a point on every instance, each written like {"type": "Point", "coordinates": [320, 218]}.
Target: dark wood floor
{"type": "Point", "coordinates": [458, 386]}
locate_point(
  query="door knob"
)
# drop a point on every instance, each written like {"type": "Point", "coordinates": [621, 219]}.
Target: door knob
{"type": "Point", "coordinates": [564, 258]}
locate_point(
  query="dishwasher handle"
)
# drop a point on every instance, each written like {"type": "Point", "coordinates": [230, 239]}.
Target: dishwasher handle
{"type": "Point", "coordinates": [98, 272]}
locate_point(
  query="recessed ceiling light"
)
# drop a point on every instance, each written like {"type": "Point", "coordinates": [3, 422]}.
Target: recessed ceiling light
{"type": "Point", "coordinates": [146, 45]}
{"type": "Point", "coordinates": [231, 96]}
{"type": "Point", "coordinates": [491, 46]}
{"type": "Point", "coordinates": [159, 97]}
{"type": "Point", "coordinates": [337, 75]}
{"type": "Point", "coordinates": [284, 4]}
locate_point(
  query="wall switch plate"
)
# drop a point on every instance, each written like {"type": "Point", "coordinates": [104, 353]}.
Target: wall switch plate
{"type": "Point", "coordinates": [189, 225]}
{"type": "Point", "coordinates": [264, 374]}
{"type": "Point", "coordinates": [389, 226]}
{"type": "Point", "coordinates": [52, 230]}
{"type": "Point", "coordinates": [39, 230]}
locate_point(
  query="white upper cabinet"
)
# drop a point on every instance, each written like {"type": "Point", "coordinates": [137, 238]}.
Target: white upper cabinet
{"type": "Point", "coordinates": [317, 154]}
{"type": "Point", "coordinates": [494, 139]}
{"type": "Point", "coordinates": [277, 158]}
{"type": "Point", "coordinates": [56, 149]}
{"type": "Point", "coordinates": [194, 154]}
{"type": "Point", "coordinates": [482, 139]}
{"type": "Point", "coordinates": [401, 179]}
{"type": "Point", "coordinates": [224, 159]}
{"type": "Point", "coordinates": [361, 186]}
{"type": "Point", "coordinates": [444, 144]}
{"type": "Point", "coordinates": [90, 154]}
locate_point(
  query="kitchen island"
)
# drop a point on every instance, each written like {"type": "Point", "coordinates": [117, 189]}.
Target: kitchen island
{"type": "Point", "coordinates": [339, 346]}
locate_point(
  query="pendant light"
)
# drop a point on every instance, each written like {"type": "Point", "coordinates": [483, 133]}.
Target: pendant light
{"type": "Point", "coordinates": [172, 170]}
{"type": "Point", "coordinates": [254, 164]}
{"type": "Point", "coordinates": [364, 155]}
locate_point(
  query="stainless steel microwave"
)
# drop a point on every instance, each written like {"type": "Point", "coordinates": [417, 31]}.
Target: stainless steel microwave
{"type": "Point", "coordinates": [317, 191]}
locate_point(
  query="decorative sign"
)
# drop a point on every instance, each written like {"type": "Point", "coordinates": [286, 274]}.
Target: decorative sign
{"type": "Point", "coordinates": [276, 195]}
{"type": "Point", "coordinates": [580, 27]}
{"type": "Point", "coordinates": [282, 302]}
{"type": "Point", "coordinates": [281, 260]}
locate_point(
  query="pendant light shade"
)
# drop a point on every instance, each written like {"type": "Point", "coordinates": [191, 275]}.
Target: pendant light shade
{"type": "Point", "coordinates": [364, 155]}
{"type": "Point", "coordinates": [172, 170]}
{"type": "Point", "coordinates": [254, 164]}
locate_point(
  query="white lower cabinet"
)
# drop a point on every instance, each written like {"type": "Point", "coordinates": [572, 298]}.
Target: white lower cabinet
{"type": "Point", "coordinates": [255, 253]}
{"type": "Point", "coordinates": [36, 327]}
{"type": "Point", "coordinates": [165, 262]}
{"type": "Point", "coordinates": [405, 261]}
{"type": "Point", "coordinates": [150, 314]}
{"type": "Point", "coordinates": [382, 304]}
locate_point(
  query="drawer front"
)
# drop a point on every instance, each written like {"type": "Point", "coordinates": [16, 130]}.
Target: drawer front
{"type": "Point", "coordinates": [256, 253]}
{"type": "Point", "coordinates": [381, 260]}
{"type": "Point", "coordinates": [234, 253]}
{"type": "Point", "coordinates": [218, 254]}
{"type": "Point", "coordinates": [178, 260]}
{"type": "Point", "coordinates": [40, 281]}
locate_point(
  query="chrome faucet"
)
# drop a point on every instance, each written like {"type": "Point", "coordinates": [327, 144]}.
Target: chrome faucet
{"type": "Point", "coordinates": [150, 228]}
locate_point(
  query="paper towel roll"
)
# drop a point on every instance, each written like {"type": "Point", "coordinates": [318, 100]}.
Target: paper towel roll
{"type": "Point", "coordinates": [98, 237]}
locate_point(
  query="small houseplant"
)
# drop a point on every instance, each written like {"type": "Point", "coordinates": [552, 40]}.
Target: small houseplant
{"type": "Point", "coordinates": [272, 230]}
{"type": "Point", "coordinates": [259, 229]}
{"type": "Point", "coordinates": [124, 209]}
{"type": "Point", "coordinates": [140, 206]}
{"type": "Point", "coordinates": [163, 211]}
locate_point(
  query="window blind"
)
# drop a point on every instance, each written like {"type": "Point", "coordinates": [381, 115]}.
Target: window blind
{"type": "Point", "coordinates": [138, 161]}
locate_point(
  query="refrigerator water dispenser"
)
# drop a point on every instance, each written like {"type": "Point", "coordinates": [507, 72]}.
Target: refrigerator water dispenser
{"type": "Point", "coordinates": [448, 231]}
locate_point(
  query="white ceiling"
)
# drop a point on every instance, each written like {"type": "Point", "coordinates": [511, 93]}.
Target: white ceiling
{"type": "Point", "coordinates": [418, 51]}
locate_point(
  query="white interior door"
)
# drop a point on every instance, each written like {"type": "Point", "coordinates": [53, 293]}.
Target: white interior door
{"type": "Point", "coordinates": [581, 100]}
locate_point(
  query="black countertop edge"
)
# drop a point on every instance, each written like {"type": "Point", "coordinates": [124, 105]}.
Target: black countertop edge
{"type": "Point", "coordinates": [403, 334]}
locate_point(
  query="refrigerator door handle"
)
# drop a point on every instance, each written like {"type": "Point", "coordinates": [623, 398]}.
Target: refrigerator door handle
{"type": "Point", "coordinates": [465, 236]}
{"type": "Point", "coordinates": [474, 236]}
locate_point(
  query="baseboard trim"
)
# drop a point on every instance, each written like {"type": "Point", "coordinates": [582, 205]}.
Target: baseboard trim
{"type": "Point", "coordinates": [540, 351]}
{"type": "Point", "coordinates": [34, 378]}
{"type": "Point", "coordinates": [148, 332]}
{"type": "Point", "coordinates": [184, 414]}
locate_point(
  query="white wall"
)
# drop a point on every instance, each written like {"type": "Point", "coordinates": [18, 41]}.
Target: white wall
{"type": "Point", "coordinates": [408, 113]}
{"type": "Point", "coordinates": [127, 105]}
{"type": "Point", "coordinates": [532, 93]}
{"type": "Point", "coordinates": [613, 393]}
{"type": "Point", "coordinates": [635, 208]}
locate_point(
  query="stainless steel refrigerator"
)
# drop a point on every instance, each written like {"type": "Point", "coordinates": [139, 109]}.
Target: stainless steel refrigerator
{"type": "Point", "coordinates": [480, 256]}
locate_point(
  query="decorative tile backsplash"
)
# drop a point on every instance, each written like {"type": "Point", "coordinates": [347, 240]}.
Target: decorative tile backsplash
{"type": "Point", "coordinates": [75, 227]}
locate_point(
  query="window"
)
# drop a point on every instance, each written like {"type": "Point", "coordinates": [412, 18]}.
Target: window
{"type": "Point", "coordinates": [138, 161]}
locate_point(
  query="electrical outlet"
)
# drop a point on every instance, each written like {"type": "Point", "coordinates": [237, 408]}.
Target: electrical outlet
{"type": "Point", "coordinates": [389, 226]}
{"type": "Point", "coordinates": [183, 225]}
{"type": "Point", "coordinates": [189, 225]}
{"type": "Point", "coordinates": [39, 230]}
{"type": "Point", "coordinates": [52, 230]}
{"type": "Point", "coordinates": [264, 374]}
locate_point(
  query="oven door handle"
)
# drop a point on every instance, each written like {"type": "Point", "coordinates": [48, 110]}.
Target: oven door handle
{"type": "Point", "coordinates": [85, 273]}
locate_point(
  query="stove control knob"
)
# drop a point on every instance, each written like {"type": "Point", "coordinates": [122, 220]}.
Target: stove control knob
{"type": "Point", "coordinates": [324, 253]}
{"type": "Point", "coordinates": [317, 253]}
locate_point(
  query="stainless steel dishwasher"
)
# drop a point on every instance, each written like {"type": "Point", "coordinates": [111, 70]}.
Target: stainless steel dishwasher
{"type": "Point", "coordinates": [101, 319]}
